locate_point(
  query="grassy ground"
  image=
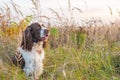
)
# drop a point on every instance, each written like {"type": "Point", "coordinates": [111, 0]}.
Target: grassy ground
{"type": "Point", "coordinates": [70, 55]}
{"type": "Point", "coordinates": [89, 52]}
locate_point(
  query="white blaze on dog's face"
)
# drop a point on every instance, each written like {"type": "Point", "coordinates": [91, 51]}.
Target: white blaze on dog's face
{"type": "Point", "coordinates": [44, 32]}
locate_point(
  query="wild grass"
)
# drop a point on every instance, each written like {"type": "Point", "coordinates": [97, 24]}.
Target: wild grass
{"type": "Point", "coordinates": [88, 52]}
{"type": "Point", "coordinates": [71, 55]}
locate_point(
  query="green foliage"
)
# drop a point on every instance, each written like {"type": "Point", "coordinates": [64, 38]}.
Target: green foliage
{"type": "Point", "coordinates": [65, 62]}
{"type": "Point", "coordinates": [54, 32]}
{"type": "Point", "coordinates": [116, 63]}
{"type": "Point", "coordinates": [28, 19]}
{"type": "Point", "coordinates": [11, 73]}
{"type": "Point", "coordinates": [72, 64]}
{"type": "Point", "coordinates": [79, 39]}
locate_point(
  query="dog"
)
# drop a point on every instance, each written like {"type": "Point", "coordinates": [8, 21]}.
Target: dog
{"type": "Point", "coordinates": [30, 54]}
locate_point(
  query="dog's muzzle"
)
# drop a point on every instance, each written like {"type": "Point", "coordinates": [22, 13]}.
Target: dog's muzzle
{"type": "Point", "coordinates": [44, 32]}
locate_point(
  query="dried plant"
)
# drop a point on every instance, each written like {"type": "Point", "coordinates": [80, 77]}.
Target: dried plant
{"type": "Point", "coordinates": [110, 9]}
{"type": "Point", "coordinates": [56, 14]}
{"type": "Point", "coordinates": [37, 9]}
{"type": "Point", "coordinates": [74, 52]}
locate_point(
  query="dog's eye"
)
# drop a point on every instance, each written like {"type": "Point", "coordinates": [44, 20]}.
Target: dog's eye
{"type": "Point", "coordinates": [43, 25]}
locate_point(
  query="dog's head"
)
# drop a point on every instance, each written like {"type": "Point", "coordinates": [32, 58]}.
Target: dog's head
{"type": "Point", "coordinates": [34, 34]}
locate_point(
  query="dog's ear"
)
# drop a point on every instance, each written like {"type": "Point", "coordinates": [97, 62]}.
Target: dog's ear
{"type": "Point", "coordinates": [27, 39]}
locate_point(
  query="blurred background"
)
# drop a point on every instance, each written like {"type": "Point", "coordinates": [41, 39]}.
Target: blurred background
{"type": "Point", "coordinates": [49, 10]}
{"type": "Point", "coordinates": [84, 41]}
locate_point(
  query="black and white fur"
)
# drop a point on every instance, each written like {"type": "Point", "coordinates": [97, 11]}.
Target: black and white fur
{"type": "Point", "coordinates": [30, 54]}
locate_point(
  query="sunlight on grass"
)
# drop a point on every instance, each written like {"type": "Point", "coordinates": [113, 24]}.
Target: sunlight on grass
{"type": "Point", "coordinates": [74, 52]}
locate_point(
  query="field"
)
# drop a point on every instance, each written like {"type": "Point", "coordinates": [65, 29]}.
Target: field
{"type": "Point", "coordinates": [73, 52]}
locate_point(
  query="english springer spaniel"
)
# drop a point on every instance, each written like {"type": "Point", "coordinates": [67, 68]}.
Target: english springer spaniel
{"type": "Point", "coordinates": [30, 54]}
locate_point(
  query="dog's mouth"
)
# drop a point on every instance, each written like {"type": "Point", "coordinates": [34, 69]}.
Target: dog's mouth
{"type": "Point", "coordinates": [45, 38]}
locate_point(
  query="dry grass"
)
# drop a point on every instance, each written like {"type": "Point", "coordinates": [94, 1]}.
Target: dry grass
{"type": "Point", "coordinates": [71, 51]}
{"type": "Point", "coordinates": [89, 52]}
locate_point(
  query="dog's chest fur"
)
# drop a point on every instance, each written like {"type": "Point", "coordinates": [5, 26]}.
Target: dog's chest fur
{"type": "Point", "coordinates": [33, 59]}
